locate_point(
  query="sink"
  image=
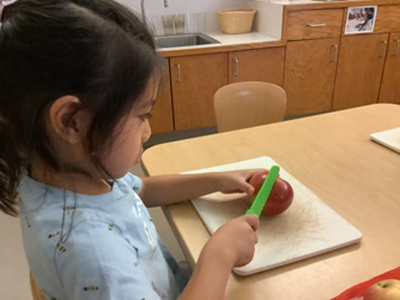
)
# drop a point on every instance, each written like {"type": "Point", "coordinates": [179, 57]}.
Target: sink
{"type": "Point", "coordinates": [183, 40]}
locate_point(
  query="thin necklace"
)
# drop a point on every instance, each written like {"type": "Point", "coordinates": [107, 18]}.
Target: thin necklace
{"type": "Point", "coordinates": [64, 238]}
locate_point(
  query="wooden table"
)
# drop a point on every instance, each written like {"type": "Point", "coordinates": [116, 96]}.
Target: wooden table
{"type": "Point", "coordinates": [332, 155]}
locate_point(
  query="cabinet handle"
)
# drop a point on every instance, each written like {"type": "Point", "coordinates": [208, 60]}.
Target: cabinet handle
{"type": "Point", "coordinates": [397, 51]}
{"type": "Point", "coordinates": [384, 43]}
{"type": "Point", "coordinates": [235, 67]}
{"type": "Point", "coordinates": [316, 25]}
{"type": "Point", "coordinates": [335, 53]}
{"type": "Point", "coordinates": [179, 72]}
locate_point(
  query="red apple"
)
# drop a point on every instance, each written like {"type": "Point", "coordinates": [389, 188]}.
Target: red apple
{"type": "Point", "coordinates": [281, 195]}
{"type": "Point", "coordinates": [388, 289]}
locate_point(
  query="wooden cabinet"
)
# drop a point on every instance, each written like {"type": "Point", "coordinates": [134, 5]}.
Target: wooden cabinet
{"type": "Point", "coordinates": [390, 88]}
{"type": "Point", "coordinates": [195, 79]}
{"type": "Point", "coordinates": [314, 24]}
{"type": "Point", "coordinates": [310, 75]}
{"type": "Point", "coordinates": [320, 69]}
{"type": "Point", "coordinates": [311, 59]}
{"type": "Point", "coordinates": [257, 65]}
{"type": "Point", "coordinates": [162, 120]}
{"type": "Point", "coordinates": [387, 19]}
{"type": "Point", "coordinates": [360, 67]}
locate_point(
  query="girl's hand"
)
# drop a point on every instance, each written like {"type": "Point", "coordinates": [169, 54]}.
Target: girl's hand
{"type": "Point", "coordinates": [236, 181]}
{"type": "Point", "coordinates": [234, 243]}
{"type": "Point", "coordinates": [231, 246]}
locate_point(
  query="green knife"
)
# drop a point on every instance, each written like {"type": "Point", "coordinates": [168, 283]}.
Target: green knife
{"type": "Point", "coordinates": [262, 196]}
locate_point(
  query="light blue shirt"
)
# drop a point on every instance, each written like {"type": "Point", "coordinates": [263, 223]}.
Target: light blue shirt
{"type": "Point", "coordinates": [95, 247]}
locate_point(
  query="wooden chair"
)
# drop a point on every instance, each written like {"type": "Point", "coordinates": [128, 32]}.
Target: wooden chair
{"type": "Point", "coordinates": [36, 291]}
{"type": "Point", "coordinates": [247, 104]}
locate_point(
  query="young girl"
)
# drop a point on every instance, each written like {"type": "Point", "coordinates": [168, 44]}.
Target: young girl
{"type": "Point", "coordinates": [78, 79]}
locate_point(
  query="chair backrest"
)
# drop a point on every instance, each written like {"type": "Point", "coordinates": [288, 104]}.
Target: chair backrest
{"type": "Point", "coordinates": [247, 104]}
{"type": "Point", "coordinates": [35, 289]}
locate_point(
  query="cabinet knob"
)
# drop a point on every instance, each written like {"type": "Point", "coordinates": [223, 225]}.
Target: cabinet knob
{"type": "Point", "coordinates": [335, 53]}
{"type": "Point", "coordinates": [397, 50]}
{"type": "Point", "coordinates": [384, 46]}
{"type": "Point", "coordinates": [316, 25]}
{"type": "Point", "coordinates": [235, 67]}
{"type": "Point", "coordinates": [178, 79]}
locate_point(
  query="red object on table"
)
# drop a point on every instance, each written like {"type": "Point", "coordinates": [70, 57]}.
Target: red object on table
{"type": "Point", "coordinates": [357, 292]}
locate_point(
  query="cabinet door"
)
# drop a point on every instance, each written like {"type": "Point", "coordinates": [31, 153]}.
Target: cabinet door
{"type": "Point", "coordinates": [387, 19]}
{"type": "Point", "coordinates": [310, 75]}
{"type": "Point", "coordinates": [162, 120]}
{"type": "Point", "coordinates": [257, 65]}
{"type": "Point", "coordinates": [195, 79]}
{"type": "Point", "coordinates": [360, 67]}
{"type": "Point", "coordinates": [390, 88]}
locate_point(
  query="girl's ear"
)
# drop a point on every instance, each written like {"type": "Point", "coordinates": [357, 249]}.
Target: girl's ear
{"type": "Point", "coordinates": [67, 120]}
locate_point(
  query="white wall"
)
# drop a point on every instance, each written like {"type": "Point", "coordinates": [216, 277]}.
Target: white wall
{"type": "Point", "coordinates": [156, 8]}
{"type": "Point", "coordinates": [268, 18]}
{"type": "Point", "coordinates": [14, 281]}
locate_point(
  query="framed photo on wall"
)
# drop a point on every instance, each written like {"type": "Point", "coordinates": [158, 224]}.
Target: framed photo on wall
{"type": "Point", "coordinates": [361, 19]}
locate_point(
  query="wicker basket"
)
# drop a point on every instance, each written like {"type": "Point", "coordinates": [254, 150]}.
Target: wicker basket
{"type": "Point", "coordinates": [235, 21]}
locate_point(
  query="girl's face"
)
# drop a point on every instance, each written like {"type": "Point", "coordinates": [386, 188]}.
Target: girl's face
{"type": "Point", "coordinates": [130, 135]}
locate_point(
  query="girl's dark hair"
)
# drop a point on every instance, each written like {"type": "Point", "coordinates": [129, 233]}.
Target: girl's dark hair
{"type": "Point", "coordinates": [96, 50]}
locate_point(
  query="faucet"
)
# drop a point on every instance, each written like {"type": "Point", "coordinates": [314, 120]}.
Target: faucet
{"type": "Point", "coordinates": [166, 4]}
{"type": "Point", "coordinates": [143, 12]}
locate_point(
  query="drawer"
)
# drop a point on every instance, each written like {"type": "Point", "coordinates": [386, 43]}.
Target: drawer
{"type": "Point", "coordinates": [314, 24]}
{"type": "Point", "coordinates": [387, 19]}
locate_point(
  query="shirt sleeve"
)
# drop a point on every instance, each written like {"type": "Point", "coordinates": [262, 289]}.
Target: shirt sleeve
{"type": "Point", "coordinates": [98, 263]}
{"type": "Point", "coordinates": [134, 182]}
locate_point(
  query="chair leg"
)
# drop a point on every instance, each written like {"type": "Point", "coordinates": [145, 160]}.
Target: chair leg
{"type": "Point", "coordinates": [35, 289]}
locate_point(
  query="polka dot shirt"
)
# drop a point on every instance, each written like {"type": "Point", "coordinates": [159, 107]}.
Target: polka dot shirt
{"type": "Point", "coordinates": [95, 247]}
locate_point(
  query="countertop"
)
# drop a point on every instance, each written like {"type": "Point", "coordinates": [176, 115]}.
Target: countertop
{"type": "Point", "coordinates": [228, 42]}
{"type": "Point", "coordinates": [327, 4]}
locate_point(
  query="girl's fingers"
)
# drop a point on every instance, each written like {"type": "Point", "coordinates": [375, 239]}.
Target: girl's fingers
{"type": "Point", "coordinates": [253, 221]}
{"type": "Point", "coordinates": [248, 189]}
{"type": "Point", "coordinates": [250, 172]}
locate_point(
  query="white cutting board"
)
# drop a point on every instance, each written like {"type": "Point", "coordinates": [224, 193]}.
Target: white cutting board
{"type": "Point", "coordinates": [308, 228]}
{"type": "Point", "coordinates": [389, 138]}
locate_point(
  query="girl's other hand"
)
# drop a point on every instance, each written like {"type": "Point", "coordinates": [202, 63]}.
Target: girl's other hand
{"type": "Point", "coordinates": [236, 181]}
{"type": "Point", "coordinates": [234, 243]}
